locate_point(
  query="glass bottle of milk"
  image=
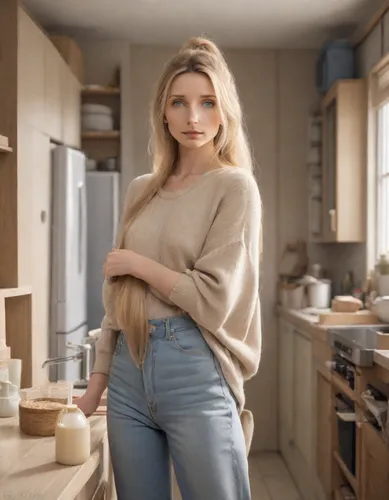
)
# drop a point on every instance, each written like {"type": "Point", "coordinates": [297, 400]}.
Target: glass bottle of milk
{"type": "Point", "coordinates": [72, 436]}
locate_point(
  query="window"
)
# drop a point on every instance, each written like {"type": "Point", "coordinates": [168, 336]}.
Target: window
{"type": "Point", "coordinates": [378, 164]}
{"type": "Point", "coordinates": [382, 181]}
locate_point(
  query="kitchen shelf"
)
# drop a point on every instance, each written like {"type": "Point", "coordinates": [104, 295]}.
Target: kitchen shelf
{"type": "Point", "coordinates": [7, 293]}
{"type": "Point", "coordinates": [95, 134]}
{"type": "Point", "coordinates": [100, 91]}
{"type": "Point", "coordinates": [5, 149]}
{"type": "Point", "coordinates": [350, 477]}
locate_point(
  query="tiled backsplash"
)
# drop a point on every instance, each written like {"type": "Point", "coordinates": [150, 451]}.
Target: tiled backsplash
{"type": "Point", "coordinates": [339, 258]}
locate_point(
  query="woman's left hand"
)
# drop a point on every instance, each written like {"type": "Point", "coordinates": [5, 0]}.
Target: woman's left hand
{"type": "Point", "coordinates": [120, 263]}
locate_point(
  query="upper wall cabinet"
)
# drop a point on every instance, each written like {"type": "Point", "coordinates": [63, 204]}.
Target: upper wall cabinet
{"type": "Point", "coordinates": [31, 72]}
{"type": "Point", "coordinates": [344, 119]}
{"type": "Point", "coordinates": [71, 108]}
{"type": "Point", "coordinates": [48, 93]}
{"type": "Point", "coordinates": [53, 91]}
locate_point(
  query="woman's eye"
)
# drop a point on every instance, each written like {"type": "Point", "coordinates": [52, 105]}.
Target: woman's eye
{"type": "Point", "coordinates": [177, 103]}
{"type": "Point", "coordinates": [209, 104]}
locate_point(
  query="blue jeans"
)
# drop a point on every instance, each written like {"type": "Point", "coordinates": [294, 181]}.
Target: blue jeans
{"type": "Point", "coordinates": [177, 404]}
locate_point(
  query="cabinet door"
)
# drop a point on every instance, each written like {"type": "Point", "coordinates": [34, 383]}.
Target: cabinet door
{"type": "Point", "coordinates": [329, 170]}
{"type": "Point", "coordinates": [286, 374]}
{"type": "Point", "coordinates": [374, 482]}
{"type": "Point", "coordinates": [34, 172]}
{"type": "Point", "coordinates": [53, 92]}
{"type": "Point", "coordinates": [322, 395]}
{"type": "Point", "coordinates": [71, 108]}
{"type": "Point", "coordinates": [31, 72]}
{"type": "Point", "coordinates": [302, 390]}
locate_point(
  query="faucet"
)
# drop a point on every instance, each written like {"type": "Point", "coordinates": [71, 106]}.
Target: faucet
{"type": "Point", "coordinates": [82, 354]}
{"type": "Point", "coordinates": [62, 359]}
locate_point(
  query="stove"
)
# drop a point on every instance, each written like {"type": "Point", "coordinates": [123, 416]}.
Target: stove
{"type": "Point", "coordinates": [356, 344]}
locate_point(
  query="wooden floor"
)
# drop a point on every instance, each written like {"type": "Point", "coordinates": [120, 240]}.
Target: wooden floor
{"type": "Point", "coordinates": [270, 479]}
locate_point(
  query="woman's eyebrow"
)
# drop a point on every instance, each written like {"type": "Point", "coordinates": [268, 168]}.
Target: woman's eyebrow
{"type": "Point", "coordinates": [182, 96]}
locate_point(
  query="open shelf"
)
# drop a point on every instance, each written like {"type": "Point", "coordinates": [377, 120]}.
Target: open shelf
{"type": "Point", "coordinates": [16, 328]}
{"type": "Point", "coordinates": [7, 293]}
{"type": "Point", "coordinates": [100, 91]}
{"type": "Point", "coordinates": [95, 134]}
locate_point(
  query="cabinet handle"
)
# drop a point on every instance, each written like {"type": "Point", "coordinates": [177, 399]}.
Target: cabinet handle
{"type": "Point", "coordinates": [332, 214]}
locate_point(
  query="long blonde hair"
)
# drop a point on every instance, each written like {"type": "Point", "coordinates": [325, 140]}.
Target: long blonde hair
{"type": "Point", "coordinates": [126, 295]}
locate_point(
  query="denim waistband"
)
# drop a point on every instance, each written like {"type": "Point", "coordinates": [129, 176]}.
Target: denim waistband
{"type": "Point", "coordinates": [163, 328]}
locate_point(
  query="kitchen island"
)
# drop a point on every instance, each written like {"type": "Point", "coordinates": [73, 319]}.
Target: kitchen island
{"type": "Point", "coordinates": [28, 469]}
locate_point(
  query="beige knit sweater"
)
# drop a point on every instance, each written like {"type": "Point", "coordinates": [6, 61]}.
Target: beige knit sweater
{"type": "Point", "coordinates": [210, 233]}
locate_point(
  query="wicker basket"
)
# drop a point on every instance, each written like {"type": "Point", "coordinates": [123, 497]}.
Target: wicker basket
{"type": "Point", "coordinates": [37, 420]}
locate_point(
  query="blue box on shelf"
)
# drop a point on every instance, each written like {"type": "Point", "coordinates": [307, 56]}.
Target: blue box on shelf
{"type": "Point", "coordinates": [335, 62]}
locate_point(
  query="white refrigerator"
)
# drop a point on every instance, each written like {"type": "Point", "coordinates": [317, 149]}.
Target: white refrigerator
{"type": "Point", "coordinates": [68, 311]}
{"type": "Point", "coordinates": [102, 192]}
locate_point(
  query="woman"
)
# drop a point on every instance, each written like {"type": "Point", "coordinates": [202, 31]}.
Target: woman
{"type": "Point", "coordinates": [182, 329]}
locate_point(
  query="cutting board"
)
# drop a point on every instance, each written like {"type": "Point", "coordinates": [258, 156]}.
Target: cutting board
{"type": "Point", "coordinates": [364, 317]}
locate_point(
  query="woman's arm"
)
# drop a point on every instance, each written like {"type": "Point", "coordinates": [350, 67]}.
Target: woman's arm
{"type": "Point", "coordinates": [158, 276]}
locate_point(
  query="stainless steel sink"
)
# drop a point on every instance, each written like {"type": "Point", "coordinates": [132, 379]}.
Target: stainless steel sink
{"type": "Point", "coordinates": [356, 343]}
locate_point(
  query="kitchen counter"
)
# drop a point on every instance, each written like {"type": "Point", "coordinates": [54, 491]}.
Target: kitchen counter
{"type": "Point", "coordinates": [308, 323]}
{"type": "Point", "coordinates": [28, 469]}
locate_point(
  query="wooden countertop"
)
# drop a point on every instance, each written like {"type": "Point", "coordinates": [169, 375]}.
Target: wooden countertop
{"type": "Point", "coordinates": [309, 324]}
{"type": "Point", "coordinates": [28, 468]}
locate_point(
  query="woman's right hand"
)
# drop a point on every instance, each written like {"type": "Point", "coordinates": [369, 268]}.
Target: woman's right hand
{"type": "Point", "coordinates": [88, 403]}
{"type": "Point", "coordinates": [90, 400]}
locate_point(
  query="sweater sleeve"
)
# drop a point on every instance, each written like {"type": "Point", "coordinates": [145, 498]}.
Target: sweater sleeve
{"type": "Point", "coordinates": [221, 292]}
{"type": "Point", "coordinates": [105, 344]}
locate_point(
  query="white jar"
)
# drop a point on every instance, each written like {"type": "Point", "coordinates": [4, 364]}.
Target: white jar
{"type": "Point", "coordinates": [319, 294]}
{"type": "Point", "coordinates": [72, 437]}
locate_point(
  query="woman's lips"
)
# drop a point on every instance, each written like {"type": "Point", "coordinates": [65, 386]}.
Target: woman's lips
{"type": "Point", "coordinates": [193, 134]}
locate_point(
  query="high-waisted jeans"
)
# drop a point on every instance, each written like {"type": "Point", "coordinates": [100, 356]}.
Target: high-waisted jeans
{"type": "Point", "coordinates": [176, 405]}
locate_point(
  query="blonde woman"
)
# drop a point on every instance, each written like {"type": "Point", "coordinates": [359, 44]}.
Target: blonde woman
{"type": "Point", "coordinates": [182, 330]}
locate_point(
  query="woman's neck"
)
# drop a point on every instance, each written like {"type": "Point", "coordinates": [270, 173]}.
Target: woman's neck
{"type": "Point", "coordinates": [196, 161]}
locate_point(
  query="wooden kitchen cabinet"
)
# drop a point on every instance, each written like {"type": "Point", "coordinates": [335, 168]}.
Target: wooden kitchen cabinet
{"type": "Point", "coordinates": [322, 448]}
{"type": "Point", "coordinates": [374, 471]}
{"type": "Point", "coordinates": [54, 88]}
{"type": "Point", "coordinates": [34, 234]}
{"type": "Point", "coordinates": [302, 386]}
{"type": "Point", "coordinates": [286, 376]}
{"type": "Point", "coordinates": [31, 72]}
{"type": "Point", "coordinates": [48, 102]}
{"type": "Point", "coordinates": [344, 129]}
{"type": "Point", "coordinates": [71, 108]}
{"type": "Point", "coordinates": [296, 407]}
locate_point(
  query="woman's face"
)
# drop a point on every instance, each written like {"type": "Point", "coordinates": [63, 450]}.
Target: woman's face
{"type": "Point", "coordinates": [191, 111]}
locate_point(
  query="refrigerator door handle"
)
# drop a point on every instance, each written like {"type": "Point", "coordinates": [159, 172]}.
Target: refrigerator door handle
{"type": "Point", "coordinates": [81, 225]}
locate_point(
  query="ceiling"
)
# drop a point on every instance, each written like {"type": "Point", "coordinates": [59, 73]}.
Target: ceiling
{"type": "Point", "coordinates": [231, 23]}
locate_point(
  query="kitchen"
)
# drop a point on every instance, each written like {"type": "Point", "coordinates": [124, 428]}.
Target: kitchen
{"type": "Point", "coordinates": [41, 100]}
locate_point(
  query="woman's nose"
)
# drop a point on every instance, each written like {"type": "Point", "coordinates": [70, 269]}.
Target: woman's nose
{"type": "Point", "coordinates": [193, 117]}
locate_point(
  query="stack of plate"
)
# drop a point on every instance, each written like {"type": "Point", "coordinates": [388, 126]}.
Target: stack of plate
{"type": "Point", "coordinates": [96, 117]}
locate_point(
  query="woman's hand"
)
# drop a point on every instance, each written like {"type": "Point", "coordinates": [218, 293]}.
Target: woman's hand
{"type": "Point", "coordinates": [120, 263]}
{"type": "Point", "coordinates": [88, 403]}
